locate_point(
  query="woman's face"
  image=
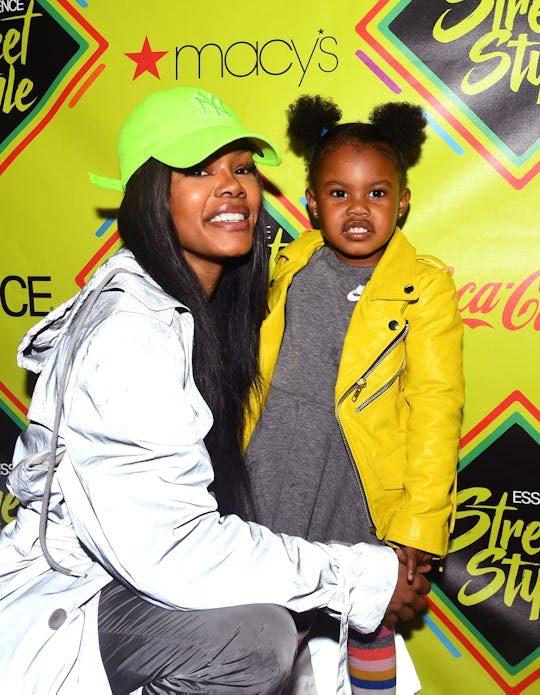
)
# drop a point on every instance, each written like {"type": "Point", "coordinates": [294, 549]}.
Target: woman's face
{"type": "Point", "coordinates": [214, 207]}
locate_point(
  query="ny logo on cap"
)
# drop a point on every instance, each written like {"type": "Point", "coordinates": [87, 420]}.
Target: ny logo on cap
{"type": "Point", "coordinates": [211, 105]}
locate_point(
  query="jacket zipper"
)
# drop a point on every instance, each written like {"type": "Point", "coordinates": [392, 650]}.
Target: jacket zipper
{"type": "Point", "coordinates": [356, 474]}
{"type": "Point", "coordinates": [357, 388]}
{"type": "Point", "coordinates": [362, 382]}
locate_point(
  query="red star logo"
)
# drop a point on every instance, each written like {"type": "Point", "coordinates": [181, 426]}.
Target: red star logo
{"type": "Point", "coordinates": [146, 59]}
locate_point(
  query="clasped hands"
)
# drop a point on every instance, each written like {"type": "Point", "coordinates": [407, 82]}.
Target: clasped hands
{"type": "Point", "coordinates": [412, 586]}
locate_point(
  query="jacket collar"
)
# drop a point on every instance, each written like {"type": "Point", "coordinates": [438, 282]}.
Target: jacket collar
{"type": "Point", "coordinates": [394, 277]}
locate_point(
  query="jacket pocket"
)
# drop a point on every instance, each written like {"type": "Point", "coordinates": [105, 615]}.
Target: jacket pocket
{"type": "Point", "coordinates": [390, 468]}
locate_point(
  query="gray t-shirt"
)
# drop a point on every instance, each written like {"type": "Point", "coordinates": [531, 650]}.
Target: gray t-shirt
{"type": "Point", "coordinates": [303, 480]}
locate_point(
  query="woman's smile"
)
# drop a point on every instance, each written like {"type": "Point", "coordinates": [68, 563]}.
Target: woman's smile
{"type": "Point", "coordinates": [229, 215]}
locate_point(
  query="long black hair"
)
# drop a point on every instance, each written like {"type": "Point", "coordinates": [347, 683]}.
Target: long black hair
{"type": "Point", "coordinates": [226, 325]}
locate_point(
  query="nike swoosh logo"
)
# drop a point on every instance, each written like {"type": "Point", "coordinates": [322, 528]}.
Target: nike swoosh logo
{"type": "Point", "coordinates": [354, 295]}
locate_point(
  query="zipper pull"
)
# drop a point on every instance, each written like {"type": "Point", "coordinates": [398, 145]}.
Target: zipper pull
{"type": "Point", "coordinates": [361, 384]}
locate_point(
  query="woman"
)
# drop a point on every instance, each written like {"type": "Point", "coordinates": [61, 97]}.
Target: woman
{"type": "Point", "coordinates": [140, 573]}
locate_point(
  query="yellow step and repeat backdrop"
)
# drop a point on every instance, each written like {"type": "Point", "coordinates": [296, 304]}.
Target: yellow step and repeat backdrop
{"type": "Point", "coordinates": [71, 70]}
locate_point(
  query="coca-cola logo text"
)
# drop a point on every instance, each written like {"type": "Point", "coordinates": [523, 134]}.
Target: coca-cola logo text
{"type": "Point", "coordinates": [516, 305]}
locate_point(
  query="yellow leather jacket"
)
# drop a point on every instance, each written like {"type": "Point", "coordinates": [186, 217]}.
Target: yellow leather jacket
{"type": "Point", "coordinates": [399, 390]}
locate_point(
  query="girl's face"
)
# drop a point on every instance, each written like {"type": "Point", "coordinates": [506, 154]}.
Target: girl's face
{"type": "Point", "coordinates": [356, 196]}
{"type": "Point", "coordinates": [214, 207]}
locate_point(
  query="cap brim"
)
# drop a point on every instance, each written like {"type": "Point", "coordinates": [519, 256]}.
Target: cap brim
{"type": "Point", "coordinates": [188, 151]}
{"type": "Point", "coordinates": [105, 182]}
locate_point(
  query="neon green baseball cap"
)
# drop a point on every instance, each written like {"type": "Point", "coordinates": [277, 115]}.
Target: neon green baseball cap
{"type": "Point", "coordinates": [180, 127]}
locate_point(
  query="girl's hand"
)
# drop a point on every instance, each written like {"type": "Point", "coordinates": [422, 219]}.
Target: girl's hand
{"type": "Point", "coordinates": [413, 559]}
{"type": "Point", "coordinates": [408, 598]}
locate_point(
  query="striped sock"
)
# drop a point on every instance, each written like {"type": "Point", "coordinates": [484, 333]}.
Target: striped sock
{"type": "Point", "coordinates": [372, 663]}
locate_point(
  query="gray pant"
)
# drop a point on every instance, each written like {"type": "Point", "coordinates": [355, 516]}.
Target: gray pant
{"type": "Point", "coordinates": [248, 649]}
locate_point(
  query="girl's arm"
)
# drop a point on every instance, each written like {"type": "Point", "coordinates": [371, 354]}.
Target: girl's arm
{"type": "Point", "coordinates": [434, 390]}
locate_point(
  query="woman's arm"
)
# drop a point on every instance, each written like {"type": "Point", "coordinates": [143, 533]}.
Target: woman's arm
{"type": "Point", "coordinates": [135, 481]}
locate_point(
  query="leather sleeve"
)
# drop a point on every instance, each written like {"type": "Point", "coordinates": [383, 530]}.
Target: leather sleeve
{"type": "Point", "coordinates": [434, 390]}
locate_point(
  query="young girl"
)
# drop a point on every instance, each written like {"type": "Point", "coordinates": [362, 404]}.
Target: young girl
{"type": "Point", "coordinates": [361, 362]}
{"type": "Point", "coordinates": [126, 567]}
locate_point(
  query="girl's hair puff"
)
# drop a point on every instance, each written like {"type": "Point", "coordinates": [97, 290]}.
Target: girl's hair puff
{"type": "Point", "coordinates": [396, 129]}
{"type": "Point", "coordinates": [403, 126]}
{"type": "Point", "coordinates": [308, 118]}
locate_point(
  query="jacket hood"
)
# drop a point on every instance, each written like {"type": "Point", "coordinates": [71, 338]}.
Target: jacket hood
{"type": "Point", "coordinates": [39, 343]}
